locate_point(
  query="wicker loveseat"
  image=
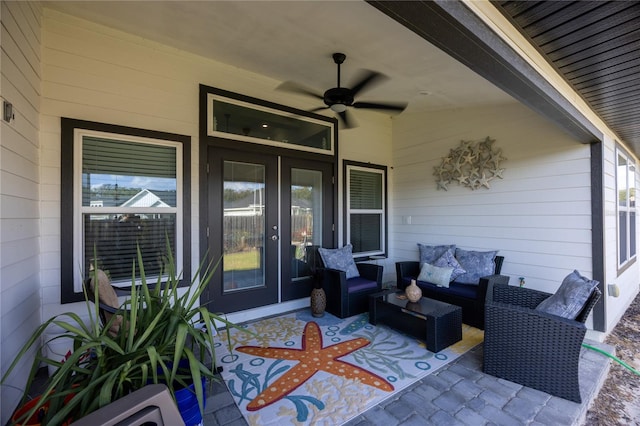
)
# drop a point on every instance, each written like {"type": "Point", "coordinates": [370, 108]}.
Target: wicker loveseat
{"type": "Point", "coordinates": [530, 347]}
{"type": "Point", "coordinates": [469, 297]}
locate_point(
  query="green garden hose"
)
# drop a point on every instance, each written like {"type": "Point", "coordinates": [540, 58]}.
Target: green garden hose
{"type": "Point", "coordinates": [618, 360]}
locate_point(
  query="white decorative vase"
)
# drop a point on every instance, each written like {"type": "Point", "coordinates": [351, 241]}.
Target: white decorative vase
{"type": "Point", "coordinates": [413, 292]}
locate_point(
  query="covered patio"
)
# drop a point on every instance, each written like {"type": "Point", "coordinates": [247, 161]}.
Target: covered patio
{"type": "Point", "coordinates": [468, 71]}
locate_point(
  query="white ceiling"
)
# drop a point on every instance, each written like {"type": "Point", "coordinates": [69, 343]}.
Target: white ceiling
{"type": "Point", "coordinates": [294, 40]}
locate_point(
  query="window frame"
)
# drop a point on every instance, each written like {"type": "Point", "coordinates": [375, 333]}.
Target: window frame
{"type": "Point", "coordinates": [349, 165]}
{"type": "Point", "coordinates": [71, 209]}
{"type": "Point", "coordinates": [254, 107]}
{"type": "Point", "coordinates": [623, 264]}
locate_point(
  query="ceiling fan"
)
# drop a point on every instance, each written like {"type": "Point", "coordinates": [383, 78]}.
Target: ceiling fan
{"type": "Point", "coordinates": [339, 98]}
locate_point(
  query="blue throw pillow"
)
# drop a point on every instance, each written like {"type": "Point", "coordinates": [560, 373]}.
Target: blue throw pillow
{"type": "Point", "coordinates": [570, 298]}
{"type": "Point", "coordinates": [429, 254]}
{"type": "Point", "coordinates": [478, 264]}
{"type": "Point", "coordinates": [340, 259]}
{"type": "Point", "coordinates": [449, 260]}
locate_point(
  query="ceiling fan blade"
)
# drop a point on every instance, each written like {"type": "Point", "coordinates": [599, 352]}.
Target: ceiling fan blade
{"type": "Point", "coordinates": [347, 120]}
{"type": "Point", "coordinates": [292, 87]}
{"type": "Point", "coordinates": [376, 105]}
{"type": "Point", "coordinates": [367, 81]}
{"type": "Point", "coordinates": [318, 109]}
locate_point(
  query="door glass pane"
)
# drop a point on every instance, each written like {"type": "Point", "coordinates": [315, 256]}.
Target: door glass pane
{"type": "Point", "coordinates": [244, 226]}
{"type": "Point", "coordinates": [306, 219]}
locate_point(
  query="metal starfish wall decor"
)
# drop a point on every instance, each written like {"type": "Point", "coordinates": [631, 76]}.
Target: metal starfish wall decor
{"type": "Point", "coordinates": [472, 164]}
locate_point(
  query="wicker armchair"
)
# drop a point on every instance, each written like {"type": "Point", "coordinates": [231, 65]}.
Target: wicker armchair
{"type": "Point", "coordinates": [348, 297]}
{"type": "Point", "coordinates": [530, 347]}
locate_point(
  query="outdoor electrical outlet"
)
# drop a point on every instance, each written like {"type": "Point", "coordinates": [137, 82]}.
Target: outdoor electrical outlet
{"type": "Point", "coordinates": [614, 290]}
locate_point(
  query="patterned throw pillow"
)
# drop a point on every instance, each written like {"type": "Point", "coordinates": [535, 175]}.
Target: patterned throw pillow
{"type": "Point", "coordinates": [449, 260]}
{"type": "Point", "coordinates": [435, 275]}
{"type": "Point", "coordinates": [570, 298]}
{"type": "Point", "coordinates": [429, 254]}
{"type": "Point", "coordinates": [340, 259]}
{"type": "Point", "coordinates": [478, 264]}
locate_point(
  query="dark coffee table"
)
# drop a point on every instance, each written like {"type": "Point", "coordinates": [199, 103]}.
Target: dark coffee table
{"type": "Point", "coordinates": [437, 323]}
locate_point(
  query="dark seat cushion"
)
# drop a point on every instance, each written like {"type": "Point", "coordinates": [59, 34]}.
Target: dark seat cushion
{"type": "Point", "coordinates": [469, 291]}
{"type": "Point", "coordinates": [360, 284]}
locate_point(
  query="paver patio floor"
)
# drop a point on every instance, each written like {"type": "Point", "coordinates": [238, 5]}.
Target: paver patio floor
{"type": "Point", "coordinates": [459, 394]}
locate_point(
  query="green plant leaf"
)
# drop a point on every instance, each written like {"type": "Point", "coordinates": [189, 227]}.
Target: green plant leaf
{"type": "Point", "coordinates": [162, 324]}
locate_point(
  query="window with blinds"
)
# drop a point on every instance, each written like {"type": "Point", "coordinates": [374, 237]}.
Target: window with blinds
{"type": "Point", "coordinates": [626, 186]}
{"type": "Point", "coordinates": [122, 188]}
{"type": "Point", "coordinates": [366, 208]}
{"type": "Point", "coordinates": [130, 198]}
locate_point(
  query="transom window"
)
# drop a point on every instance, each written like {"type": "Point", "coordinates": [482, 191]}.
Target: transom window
{"type": "Point", "coordinates": [258, 123]}
{"type": "Point", "coordinates": [127, 192]}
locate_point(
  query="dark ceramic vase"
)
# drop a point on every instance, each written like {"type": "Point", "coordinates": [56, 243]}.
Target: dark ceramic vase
{"type": "Point", "coordinates": [318, 302]}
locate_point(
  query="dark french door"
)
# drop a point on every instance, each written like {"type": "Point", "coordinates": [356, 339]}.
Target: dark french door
{"type": "Point", "coordinates": [306, 206]}
{"type": "Point", "coordinates": [265, 214]}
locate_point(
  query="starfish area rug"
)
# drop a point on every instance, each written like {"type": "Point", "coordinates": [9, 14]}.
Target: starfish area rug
{"type": "Point", "coordinates": [296, 369]}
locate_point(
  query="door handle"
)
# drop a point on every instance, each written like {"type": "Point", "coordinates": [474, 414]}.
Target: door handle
{"type": "Point", "coordinates": [275, 237]}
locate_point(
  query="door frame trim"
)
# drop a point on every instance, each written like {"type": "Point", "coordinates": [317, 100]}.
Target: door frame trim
{"type": "Point", "coordinates": [206, 141]}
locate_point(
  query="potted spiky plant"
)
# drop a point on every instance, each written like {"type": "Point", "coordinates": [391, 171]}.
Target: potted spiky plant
{"type": "Point", "coordinates": [165, 337]}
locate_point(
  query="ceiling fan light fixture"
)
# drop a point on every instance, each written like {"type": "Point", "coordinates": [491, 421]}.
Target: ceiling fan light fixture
{"type": "Point", "coordinates": [338, 107]}
{"type": "Point", "coordinates": [338, 99]}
